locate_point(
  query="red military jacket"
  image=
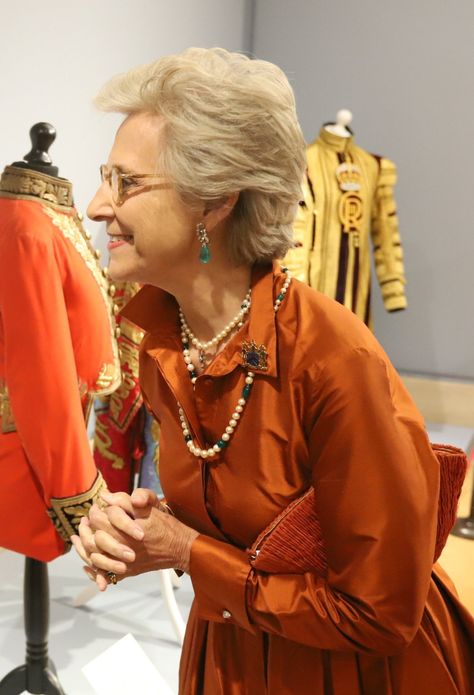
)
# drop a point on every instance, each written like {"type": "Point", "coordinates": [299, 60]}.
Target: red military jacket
{"type": "Point", "coordinates": [57, 351]}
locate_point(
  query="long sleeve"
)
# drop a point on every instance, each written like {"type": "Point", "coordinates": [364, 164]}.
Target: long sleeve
{"type": "Point", "coordinates": [376, 484]}
{"type": "Point", "coordinates": [388, 252]}
{"type": "Point", "coordinates": [41, 374]}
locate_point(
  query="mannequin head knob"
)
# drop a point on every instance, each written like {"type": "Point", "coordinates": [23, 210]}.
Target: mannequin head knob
{"type": "Point", "coordinates": [344, 117]}
{"type": "Point", "coordinates": [42, 136]}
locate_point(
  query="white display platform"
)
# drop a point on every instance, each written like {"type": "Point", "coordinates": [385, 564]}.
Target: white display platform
{"type": "Point", "coordinates": [124, 668]}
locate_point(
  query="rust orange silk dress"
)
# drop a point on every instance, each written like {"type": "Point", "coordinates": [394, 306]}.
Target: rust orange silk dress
{"type": "Point", "coordinates": [331, 411]}
{"type": "Point", "coordinates": [57, 350]}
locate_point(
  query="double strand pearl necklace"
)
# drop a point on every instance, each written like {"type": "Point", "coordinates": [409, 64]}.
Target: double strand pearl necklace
{"type": "Point", "coordinates": [187, 336]}
{"type": "Point", "coordinates": [224, 440]}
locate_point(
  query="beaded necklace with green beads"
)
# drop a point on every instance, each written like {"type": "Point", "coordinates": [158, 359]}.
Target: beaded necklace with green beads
{"type": "Point", "coordinates": [225, 437]}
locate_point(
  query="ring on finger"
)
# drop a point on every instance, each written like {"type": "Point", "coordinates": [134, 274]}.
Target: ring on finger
{"type": "Point", "coordinates": [112, 578]}
{"type": "Point", "coordinates": [102, 504]}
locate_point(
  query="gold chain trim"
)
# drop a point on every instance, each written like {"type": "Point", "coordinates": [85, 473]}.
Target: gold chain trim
{"type": "Point", "coordinates": [66, 512]}
{"type": "Point", "coordinates": [34, 184]}
{"type": "Point", "coordinates": [109, 377]}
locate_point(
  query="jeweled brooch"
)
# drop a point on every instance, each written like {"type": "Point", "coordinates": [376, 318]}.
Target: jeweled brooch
{"type": "Point", "coordinates": [254, 356]}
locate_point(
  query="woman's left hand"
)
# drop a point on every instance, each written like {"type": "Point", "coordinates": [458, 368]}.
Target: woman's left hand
{"type": "Point", "coordinates": [110, 540]}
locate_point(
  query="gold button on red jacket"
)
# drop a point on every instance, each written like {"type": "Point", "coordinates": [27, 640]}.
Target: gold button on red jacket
{"type": "Point", "coordinates": [57, 351]}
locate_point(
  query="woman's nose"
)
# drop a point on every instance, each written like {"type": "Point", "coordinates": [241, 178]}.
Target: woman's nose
{"type": "Point", "coordinates": [100, 208]}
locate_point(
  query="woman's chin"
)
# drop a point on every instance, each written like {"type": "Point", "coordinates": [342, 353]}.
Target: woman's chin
{"type": "Point", "coordinates": [122, 272]}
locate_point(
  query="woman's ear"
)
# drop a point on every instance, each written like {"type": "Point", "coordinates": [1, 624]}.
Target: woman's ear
{"type": "Point", "coordinates": [216, 214]}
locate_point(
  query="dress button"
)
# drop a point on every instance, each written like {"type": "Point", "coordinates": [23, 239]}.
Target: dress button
{"type": "Point", "coordinates": [226, 614]}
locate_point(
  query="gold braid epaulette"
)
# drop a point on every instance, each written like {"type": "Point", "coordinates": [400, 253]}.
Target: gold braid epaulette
{"type": "Point", "coordinates": [66, 512]}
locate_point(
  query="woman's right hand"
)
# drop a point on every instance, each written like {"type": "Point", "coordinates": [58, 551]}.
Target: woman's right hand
{"type": "Point", "coordinates": [138, 536]}
{"type": "Point", "coordinates": [138, 505]}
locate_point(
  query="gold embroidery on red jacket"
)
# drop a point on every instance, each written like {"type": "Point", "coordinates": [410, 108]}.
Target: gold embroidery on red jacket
{"type": "Point", "coordinates": [109, 377]}
{"type": "Point", "coordinates": [127, 399]}
{"type": "Point", "coordinates": [103, 445]}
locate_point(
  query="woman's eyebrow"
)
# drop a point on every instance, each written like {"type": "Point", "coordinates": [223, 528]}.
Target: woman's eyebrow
{"type": "Point", "coordinates": [122, 168]}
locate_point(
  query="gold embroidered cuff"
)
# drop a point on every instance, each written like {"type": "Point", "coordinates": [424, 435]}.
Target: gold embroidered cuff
{"type": "Point", "coordinates": [66, 512]}
{"type": "Point", "coordinates": [395, 303]}
{"type": "Point", "coordinates": [393, 294]}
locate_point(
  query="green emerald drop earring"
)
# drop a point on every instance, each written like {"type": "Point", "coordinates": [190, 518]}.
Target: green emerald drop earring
{"type": "Point", "coordinates": [205, 253]}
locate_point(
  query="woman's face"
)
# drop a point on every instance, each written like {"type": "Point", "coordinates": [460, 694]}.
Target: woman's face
{"type": "Point", "coordinates": [151, 232]}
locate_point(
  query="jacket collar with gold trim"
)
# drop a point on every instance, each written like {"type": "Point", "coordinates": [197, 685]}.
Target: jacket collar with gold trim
{"type": "Point", "coordinates": [156, 312]}
{"type": "Point", "coordinates": [33, 185]}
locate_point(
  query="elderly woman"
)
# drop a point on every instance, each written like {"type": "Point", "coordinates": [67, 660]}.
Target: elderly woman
{"type": "Point", "coordinates": [263, 388]}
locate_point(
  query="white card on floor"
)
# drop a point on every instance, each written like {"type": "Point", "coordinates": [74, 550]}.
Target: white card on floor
{"type": "Point", "coordinates": [124, 668]}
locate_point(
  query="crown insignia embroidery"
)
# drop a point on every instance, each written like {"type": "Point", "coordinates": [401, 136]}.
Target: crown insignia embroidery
{"type": "Point", "coordinates": [254, 356]}
{"type": "Point", "coordinates": [348, 176]}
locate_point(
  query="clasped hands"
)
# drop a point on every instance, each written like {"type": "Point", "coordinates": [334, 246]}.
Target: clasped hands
{"type": "Point", "coordinates": [130, 535]}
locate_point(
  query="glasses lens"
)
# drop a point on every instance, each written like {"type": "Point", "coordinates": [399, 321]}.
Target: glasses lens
{"type": "Point", "coordinates": [115, 183]}
{"type": "Point", "coordinates": [103, 173]}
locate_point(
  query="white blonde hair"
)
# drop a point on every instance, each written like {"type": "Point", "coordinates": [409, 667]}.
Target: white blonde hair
{"type": "Point", "coordinates": [230, 126]}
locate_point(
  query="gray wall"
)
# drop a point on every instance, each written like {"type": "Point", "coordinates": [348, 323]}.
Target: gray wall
{"type": "Point", "coordinates": [406, 70]}
{"type": "Point", "coordinates": [54, 56]}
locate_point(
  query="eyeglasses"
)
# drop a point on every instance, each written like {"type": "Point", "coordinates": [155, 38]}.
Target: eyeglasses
{"type": "Point", "coordinates": [120, 183]}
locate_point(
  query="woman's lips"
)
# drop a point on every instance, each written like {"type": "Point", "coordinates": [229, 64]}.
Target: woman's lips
{"type": "Point", "coordinates": [117, 241]}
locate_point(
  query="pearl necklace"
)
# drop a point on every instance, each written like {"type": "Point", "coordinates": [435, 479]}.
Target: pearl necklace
{"type": "Point", "coordinates": [187, 336]}
{"type": "Point", "coordinates": [224, 440]}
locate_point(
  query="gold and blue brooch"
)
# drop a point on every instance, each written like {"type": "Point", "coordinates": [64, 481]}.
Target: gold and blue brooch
{"type": "Point", "coordinates": [254, 356]}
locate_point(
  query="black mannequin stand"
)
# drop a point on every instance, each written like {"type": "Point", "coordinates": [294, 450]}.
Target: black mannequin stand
{"type": "Point", "coordinates": [37, 675]}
